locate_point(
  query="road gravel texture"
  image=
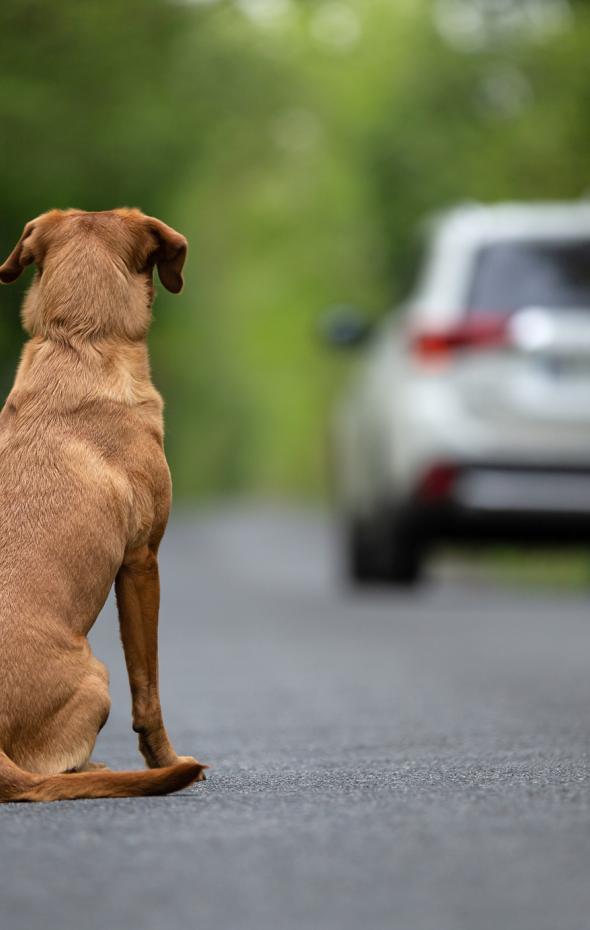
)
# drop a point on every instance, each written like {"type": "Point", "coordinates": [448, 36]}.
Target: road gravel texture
{"type": "Point", "coordinates": [380, 761]}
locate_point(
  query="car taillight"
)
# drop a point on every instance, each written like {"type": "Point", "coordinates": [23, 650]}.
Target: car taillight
{"type": "Point", "coordinates": [477, 332]}
{"type": "Point", "coordinates": [437, 482]}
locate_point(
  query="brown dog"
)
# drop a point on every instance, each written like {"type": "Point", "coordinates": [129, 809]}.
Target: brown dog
{"type": "Point", "coordinates": [84, 500]}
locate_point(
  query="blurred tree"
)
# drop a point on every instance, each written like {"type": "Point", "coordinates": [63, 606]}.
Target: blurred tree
{"type": "Point", "coordinates": [110, 104]}
{"type": "Point", "coordinates": [85, 94]}
{"type": "Point", "coordinates": [506, 123]}
{"type": "Point", "coordinates": [297, 143]}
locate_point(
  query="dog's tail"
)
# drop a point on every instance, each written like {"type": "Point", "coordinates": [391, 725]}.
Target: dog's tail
{"type": "Point", "coordinates": [18, 785]}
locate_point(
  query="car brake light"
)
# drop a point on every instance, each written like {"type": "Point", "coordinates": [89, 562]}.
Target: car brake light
{"type": "Point", "coordinates": [478, 332]}
{"type": "Point", "coordinates": [437, 482]}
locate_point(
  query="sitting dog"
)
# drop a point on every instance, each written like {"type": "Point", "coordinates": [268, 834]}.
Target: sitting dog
{"type": "Point", "coordinates": [84, 500]}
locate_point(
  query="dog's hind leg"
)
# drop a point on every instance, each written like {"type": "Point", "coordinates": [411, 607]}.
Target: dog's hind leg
{"type": "Point", "coordinates": [94, 767]}
{"type": "Point", "coordinates": [65, 741]}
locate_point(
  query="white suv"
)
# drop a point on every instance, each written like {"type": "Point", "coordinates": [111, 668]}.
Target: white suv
{"type": "Point", "coordinates": [470, 416]}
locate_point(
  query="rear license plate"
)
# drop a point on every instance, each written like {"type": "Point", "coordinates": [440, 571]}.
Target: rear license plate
{"type": "Point", "coordinates": [544, 492]}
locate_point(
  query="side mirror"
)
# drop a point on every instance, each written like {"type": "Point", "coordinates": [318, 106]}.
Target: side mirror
{"type": "Point", "coordinates": [344, 327]}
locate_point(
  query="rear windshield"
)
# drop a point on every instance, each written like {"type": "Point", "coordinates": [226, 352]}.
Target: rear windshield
{"type": "Point", "coordinates": [515, 274]}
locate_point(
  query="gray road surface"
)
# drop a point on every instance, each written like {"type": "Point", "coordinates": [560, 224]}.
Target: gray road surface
{"type": "Point", "coordinates": [380, 762]}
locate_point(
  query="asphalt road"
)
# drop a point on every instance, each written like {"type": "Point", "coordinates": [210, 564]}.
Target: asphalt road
{"type": "Point", "coordinates": [379, 762]}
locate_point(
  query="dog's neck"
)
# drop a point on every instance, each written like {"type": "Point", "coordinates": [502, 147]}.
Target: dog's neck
{"type": "Point", "coordinates": [63, 375]}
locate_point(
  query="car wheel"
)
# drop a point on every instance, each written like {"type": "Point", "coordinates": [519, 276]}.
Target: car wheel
{"type": "Point", "coordinates": [363, 563]}
{"type": "Point", "coordinates": [404, 561]}
{"type": "Point", "coordinates": [383, 552]}
{"type": "Point", "coordinates": [403, 549]}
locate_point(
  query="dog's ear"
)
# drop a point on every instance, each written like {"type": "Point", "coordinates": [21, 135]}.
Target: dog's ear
{"type": "Point", "coordinates": [169, 255]}
{"type": "Point", "coordinates": [20, 257]}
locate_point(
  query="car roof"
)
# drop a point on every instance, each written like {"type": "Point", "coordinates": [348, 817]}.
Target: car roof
{"type": "Point", "coordinates": [481, 223]}
{"type": "Point", "coordinates": [457, 235]}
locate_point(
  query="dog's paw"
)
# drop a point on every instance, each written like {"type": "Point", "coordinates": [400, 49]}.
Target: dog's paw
{"type": "Point", "coordinates": [201, 776]}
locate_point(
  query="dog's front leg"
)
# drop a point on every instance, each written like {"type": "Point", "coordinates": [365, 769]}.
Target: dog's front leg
{"type": "Point", "coordinates": [138, 598]}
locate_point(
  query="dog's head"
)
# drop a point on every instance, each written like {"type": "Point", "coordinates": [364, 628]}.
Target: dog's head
{"type": "Point", "coordinates": [94, 271]}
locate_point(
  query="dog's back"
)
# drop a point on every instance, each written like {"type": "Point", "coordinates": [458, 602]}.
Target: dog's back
{"type": "Point", "coordinates": [83, 482]}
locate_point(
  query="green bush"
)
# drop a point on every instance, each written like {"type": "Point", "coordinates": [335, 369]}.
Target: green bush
{"type": "Point", "coordinates": [297, 146]}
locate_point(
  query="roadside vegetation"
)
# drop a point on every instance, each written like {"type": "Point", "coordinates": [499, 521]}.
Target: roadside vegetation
{"type": "Point", "coordinates": [297, 144]}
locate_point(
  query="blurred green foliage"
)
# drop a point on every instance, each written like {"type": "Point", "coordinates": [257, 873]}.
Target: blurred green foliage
{"type": "Point", "coordinates": [297, 143]}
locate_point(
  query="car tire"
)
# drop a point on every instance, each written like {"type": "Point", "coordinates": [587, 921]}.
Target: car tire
{"type": "Point", "coordinates": [375, 553]}
{"type": "Point", "coordinates": [404, 548]}
{"type": "Point", "coordinates": [404, 561]}
{"type": "Point", "coordinates": [362, 562]}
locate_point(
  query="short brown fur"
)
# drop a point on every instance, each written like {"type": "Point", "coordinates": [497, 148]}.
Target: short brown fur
{"type": "Point", "coordinates": [84, 500]}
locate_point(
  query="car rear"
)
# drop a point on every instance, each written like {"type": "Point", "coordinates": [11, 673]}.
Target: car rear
{"type": "Point", "coordinates": [495, 405]}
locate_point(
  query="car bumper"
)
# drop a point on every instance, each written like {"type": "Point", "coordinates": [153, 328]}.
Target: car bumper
{"type": "Point", "coordinates": [508, 503]}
